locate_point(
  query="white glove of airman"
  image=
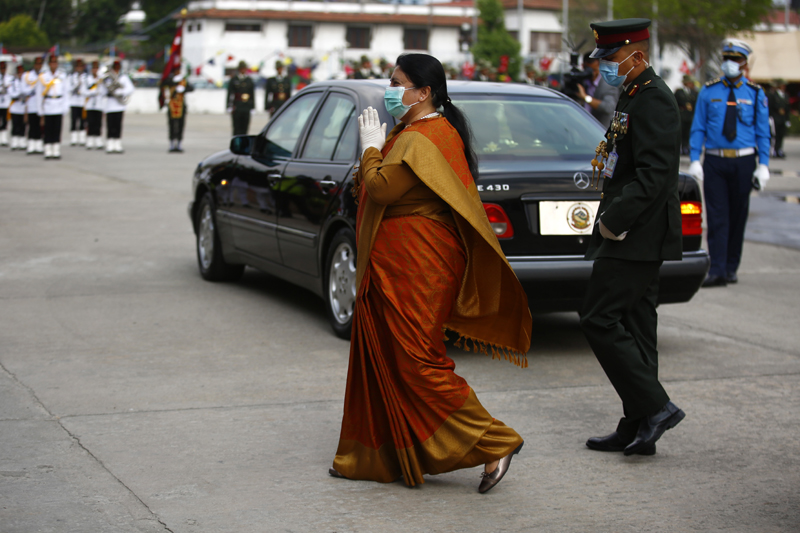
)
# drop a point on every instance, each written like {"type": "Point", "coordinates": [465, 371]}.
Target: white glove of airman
{"type": "Point", "coordinates": [761, 176]}
{"type": "Point", "coordinates": [180, 88]}
{"type": "Point", "coordinates": [696, 170]}
{"type": "Point", "coordinates": [373, 133]}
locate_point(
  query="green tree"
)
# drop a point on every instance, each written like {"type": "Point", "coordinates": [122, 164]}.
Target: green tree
{"type": "Point", "coordinates": [494, 41]}
{"type": "Point", "coordinates": [98, 20]}
{"type": "Point", "coordinates": [56, 16]}
{"type": "Point", "coordinates": [21, 30]}
{"type": "Point", "coordinates": [697, 26]}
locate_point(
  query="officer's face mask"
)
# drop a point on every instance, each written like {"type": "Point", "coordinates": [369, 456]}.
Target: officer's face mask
{"type": "Point", "coordinates": [393, 101]}
{"type": "Point", "coordinates": [731, 68]}
{"type": "Point", "coordinates": [610, 71]}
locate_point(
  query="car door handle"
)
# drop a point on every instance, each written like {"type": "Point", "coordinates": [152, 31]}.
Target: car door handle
{"type": "Point", "coordinates": [327, 185]}
{"type": "Point", "coordinates": [273, 178]}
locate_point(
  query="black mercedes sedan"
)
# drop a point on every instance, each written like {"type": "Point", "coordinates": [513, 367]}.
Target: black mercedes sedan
{"type": "Point", "coordinates": [281, 201]}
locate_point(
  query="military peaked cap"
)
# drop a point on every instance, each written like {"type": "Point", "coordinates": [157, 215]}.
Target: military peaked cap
{"type": "Point", "coordinates": [612, 35]}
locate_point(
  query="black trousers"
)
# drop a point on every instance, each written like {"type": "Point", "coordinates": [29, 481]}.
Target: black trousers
{"type": "Point", "coordinates": [176, 127]}
{"type": "Point", "coordinates": [619, 320]}
{"type": "Point", "coordinates": [780, 132]}
{"type": "Point", "coordinates": [52, 128]}
{"type": "Point", "coordinates": [3, 119]}
{"type": "Point", "coordinates": [34, 128]}
{"type": "Point", "coordinates": [686, 129]}
{"type": "Point", "coordinates": [114, 125]}
{"type": "Point", "coordinates": [241, 122]}
{"type": "Point", "coordinates": [18, 125]}
{"type": "Point", "coordinates": [77, 122]}
{"type": "Point", "coordinates": [727, 184]}
{"type": "Point", "coordinates": [94, 120]}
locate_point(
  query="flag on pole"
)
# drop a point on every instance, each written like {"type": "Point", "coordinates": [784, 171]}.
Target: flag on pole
{"type": "Point", "coordinates": [173, 61]}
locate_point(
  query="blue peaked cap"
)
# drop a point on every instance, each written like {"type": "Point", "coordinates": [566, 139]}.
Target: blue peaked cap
{"type": "Point", "coordinates": [736, 47]}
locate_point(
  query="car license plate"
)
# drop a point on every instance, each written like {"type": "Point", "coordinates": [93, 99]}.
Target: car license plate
{"type": "Point", "coordinates": [567, 218]}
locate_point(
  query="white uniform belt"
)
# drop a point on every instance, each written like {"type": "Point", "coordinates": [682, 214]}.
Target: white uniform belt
{"type": "Point", "coordinates": [731, 152]}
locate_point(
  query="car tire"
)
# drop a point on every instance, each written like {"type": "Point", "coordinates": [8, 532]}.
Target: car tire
{"type": "Point", "coordinates": [340, 282]}
{"type": "Point", "coordinates": [210, 262]}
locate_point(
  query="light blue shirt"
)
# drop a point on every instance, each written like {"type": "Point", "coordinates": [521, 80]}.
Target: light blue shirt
{"type": "Point", "coordinates": [752, 126]}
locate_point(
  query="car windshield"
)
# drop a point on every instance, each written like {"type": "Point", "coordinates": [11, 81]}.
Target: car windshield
{"type": "Point", "coordinates": [529, 128]}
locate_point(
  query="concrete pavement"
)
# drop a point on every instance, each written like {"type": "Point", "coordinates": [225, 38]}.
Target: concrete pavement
{"type": "Point", "coordinates": [134, 396]}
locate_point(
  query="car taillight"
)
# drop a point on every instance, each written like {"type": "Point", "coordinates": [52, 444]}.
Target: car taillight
{"type": "Point", "coordinates": [499, 220]}
{"type": "Point", "coordinates": [692, 218]}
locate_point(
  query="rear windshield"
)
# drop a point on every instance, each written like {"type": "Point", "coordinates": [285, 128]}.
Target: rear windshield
{"type": "Point", "coordinates": [510, 127]}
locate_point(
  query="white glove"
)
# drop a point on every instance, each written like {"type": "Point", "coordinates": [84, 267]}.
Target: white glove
{"type": "Point", "coordinates": [119, 92]}
{"type": "Point", "coordinates": [229, 110]}
{"type": "Point", "coordinates": [373, 133]}
{"type": "Point", "coordinates": [180, 88]}
{"type": "Point", "coordinates": [696, 170]}
{"type": "Point", "coordinates": [252, 112]}
{"type": "Point", "coordinates": [761, 177]}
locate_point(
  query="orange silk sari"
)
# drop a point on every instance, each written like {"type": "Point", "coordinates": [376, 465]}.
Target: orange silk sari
{"type": "Point", "coordinates": [406, 412]}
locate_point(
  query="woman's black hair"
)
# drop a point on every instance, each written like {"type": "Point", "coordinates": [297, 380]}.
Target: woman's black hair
{"type": "Point", "coordinates": [426, 71]}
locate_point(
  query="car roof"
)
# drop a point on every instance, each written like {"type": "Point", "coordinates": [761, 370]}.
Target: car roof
{"type": "Point", "coordinates": [454, 87]}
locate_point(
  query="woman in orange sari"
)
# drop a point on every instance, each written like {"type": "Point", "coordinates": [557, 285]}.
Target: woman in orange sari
{"type": "Point", "coordinates": [428, 261]}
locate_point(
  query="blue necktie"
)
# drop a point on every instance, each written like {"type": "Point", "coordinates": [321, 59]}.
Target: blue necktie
{"type": "Point", "coordinates": [729, 127]}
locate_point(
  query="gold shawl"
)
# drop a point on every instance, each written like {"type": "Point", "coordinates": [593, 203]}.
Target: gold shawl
{"type": "Point", "coordinates": [491, 309]}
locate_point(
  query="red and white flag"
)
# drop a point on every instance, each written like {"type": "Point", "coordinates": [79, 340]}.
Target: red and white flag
{"type": "Point", "coordinates": [174, 59]}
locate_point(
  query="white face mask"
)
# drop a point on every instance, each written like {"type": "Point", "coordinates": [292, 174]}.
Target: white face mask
{"type": "Point", "coordinates": [731, 68]}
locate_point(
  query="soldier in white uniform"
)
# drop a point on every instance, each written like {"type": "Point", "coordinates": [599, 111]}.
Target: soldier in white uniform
{"type": "Point", "coordinates": [117, 88]}
{"type": "Point", "coordinates": [31, 81]}
{"type": "Point", "coordinates": [17, 109]}
{"type": "Point", "coordinates": [77, 123]}
{"type": "Point", "coordinates": [5, 101]}
{"type": "Point", "coordinates": [53, 93]}
{"type": "Point", "coordinates": [94, 103]}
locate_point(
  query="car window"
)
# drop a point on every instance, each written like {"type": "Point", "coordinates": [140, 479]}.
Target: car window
{"type": "Point", "coordinates": [524, 127]}
{"type": "Point", "coordinates": [285, 130]}
{"type": "Point", "coordinates": [346, 149]}
{"type": "Point", "coordinates": [336, 113]}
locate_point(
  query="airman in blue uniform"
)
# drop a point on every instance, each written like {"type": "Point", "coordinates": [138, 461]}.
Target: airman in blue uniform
{"type": "Point", "coordinates": [732, 120]}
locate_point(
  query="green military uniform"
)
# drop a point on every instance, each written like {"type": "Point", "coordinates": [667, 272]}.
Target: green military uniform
{"type": "Point", "coordinates": [779, 112]}
{"type": "Point", "coordinates": [279, 89]}
{"type": "Point", "coordinates": [241, 100]}
{"type": "Point", "coordinates": [686, 98]}
{"type": "Point", "coordinates": [640, 204]}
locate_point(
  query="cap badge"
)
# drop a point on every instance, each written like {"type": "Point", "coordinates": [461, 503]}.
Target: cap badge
{"type": "Point", "coordinates": [596, 36]}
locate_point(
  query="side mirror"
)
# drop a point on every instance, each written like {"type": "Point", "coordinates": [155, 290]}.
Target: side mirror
{"type": "Point", "coordinates": [242, 144]}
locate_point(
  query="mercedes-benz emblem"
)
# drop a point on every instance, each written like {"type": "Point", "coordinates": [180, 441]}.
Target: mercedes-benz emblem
{"type": "Point", "coordinates": [581, 180]}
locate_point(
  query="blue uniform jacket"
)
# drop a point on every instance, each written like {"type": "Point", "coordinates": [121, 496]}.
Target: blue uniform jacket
{"type": "Point", "coordinates": [752, 128]}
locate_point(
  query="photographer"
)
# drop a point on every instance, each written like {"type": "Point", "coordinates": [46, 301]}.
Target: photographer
{"type": "Point", "coordinates": [600, 98]}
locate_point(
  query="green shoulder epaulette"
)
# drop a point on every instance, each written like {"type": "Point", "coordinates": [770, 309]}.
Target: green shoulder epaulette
{"type": "Point", "coordinates": [713, 82]}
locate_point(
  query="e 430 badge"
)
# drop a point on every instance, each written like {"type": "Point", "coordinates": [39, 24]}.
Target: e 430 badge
{"type": "Point", "coordinates": [494, 188]}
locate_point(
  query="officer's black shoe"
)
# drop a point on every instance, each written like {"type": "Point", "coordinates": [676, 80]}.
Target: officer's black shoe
{"type": "Point", "coordinates": [615, 443]}
{"type": "Point", "coordinates": [731, 278]}
{"type": "Point", "coordinates": [652, 427]}
{"type": "Point", "coordinates": [714, 281]}
{"type": "Point", "coordinates": [780, 154]}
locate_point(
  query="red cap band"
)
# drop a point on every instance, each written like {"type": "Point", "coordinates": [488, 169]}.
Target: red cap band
{"type": "Point", "coordinates": [618, 38]}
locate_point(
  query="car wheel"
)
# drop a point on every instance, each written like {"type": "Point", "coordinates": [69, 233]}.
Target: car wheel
{"type": "Point", "coordinates": [209, 250]}
{"type": "Point", "coordinates": [340, 286]}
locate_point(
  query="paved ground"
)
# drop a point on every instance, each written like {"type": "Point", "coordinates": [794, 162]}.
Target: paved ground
{"type": "Point", "coordinates": [136, 397]}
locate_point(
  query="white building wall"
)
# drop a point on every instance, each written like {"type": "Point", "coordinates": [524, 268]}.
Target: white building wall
{"type": "Point", "coordinates": [387, 42]}
{"type": "Point", "coordinates": [443, 44]}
